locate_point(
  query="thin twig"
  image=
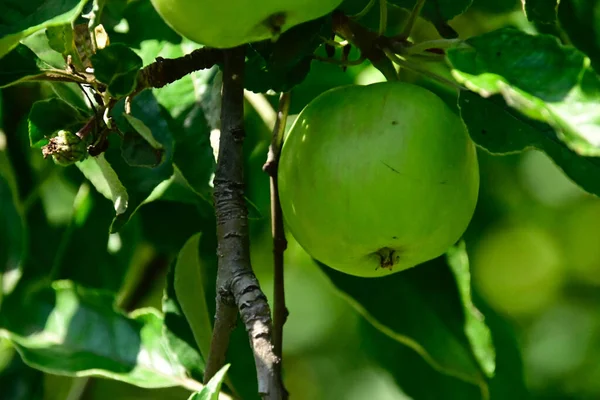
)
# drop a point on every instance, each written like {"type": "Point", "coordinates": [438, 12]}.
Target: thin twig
{"type": "Point", "coordinates": [412, 19]}
{"type": "Point", "coordinates": [236, 282]}
{"type": "Point", "coordinates": [280, 312]}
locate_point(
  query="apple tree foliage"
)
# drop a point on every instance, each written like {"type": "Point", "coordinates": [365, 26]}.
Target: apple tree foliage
{"type": "Point", "coordinates": [108, 247]}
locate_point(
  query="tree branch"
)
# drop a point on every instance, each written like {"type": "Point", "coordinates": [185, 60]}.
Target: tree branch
{"type": "Point", "coordinates": [236, 282]}
{"type": "Point", "coordinates": [280, 312]}
{"type": "Point", "coordinates": [168, 70]}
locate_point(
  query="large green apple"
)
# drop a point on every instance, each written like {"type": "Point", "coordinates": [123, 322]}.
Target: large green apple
{"type": "Point", "coordinates": [230, 23]}
{"type": "Point", "coordinates": [376, 179]}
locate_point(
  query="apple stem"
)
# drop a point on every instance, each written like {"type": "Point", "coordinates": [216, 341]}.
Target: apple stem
{"type": "Point", "coordinates": [237, 286]}
{"type": "Point", "coordinates": [364, 11]}
{"type": "Point", "coordinates": [382, 17]}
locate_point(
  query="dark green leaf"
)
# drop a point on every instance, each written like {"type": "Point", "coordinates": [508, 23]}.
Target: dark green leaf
{"type": "Point", "coordinates": [19, 381]}
{"type": "Point", "coordinates": [438, 12]}
{"type": "Point", "coordinates": [177, 329]}
{"type": "Point", "coordinates": [71, 93]}
{"type": "Point", "coordinates": [21, 65]}
{"type": "Point", "coordinates": [281, 65]}
{"type": "Point", "coordinates": [213, 387]}
{"type": "Point", "coordinates": [137, 182]}
{"type": "Point", "coordinates": [22, 18]}
{"type": "Point", "coordinates": [87, 240]}
{"type": "Point", "coordinates": [48, 116]}
{"type": "Point", "coordinates": [581, 21]}
{"type": "Point", "coordinates": [538, 77]}
{"type": "Point", "coordinates": [420, 308]}
{"type": "Point", "coordinates": [417, 378]}
{"type": "Point", "coordinates": [66, 329]}
{"type": "Point", "coordinates": [137, 152]}
{"type": "Point", "coordinates": [183, 220]}
{"type": "Point", "coordinates": [541, 11]}
{"type": "Point", "coordinates": [117, 66]}
{"type": "Point", "coordinates": [193, 152]}
{"type": "Point", "coordinates": [140, 148]}
{"type": "Point", "coordinates": [501, 130]}
{"type": "Point", "coordinates": [496, 6]}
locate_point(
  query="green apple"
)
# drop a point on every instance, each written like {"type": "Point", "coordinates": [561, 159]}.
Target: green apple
{"type": "Point", "coordinates": [376, 179]}
{"type": "Point", "coordinates": [230, 23]}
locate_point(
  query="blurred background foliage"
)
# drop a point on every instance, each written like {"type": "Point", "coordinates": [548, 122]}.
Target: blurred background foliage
{"type": "Point", "coordinates": [534, 248]}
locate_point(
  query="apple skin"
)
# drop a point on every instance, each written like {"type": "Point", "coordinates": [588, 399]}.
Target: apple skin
{"type": "Point", "coordinates": [226, 24]}
{"type": "Point", "coordinates": [376, 179]}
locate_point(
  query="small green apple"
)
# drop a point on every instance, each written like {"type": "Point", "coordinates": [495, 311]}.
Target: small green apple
{"type": "Point", "coordinates": [225, 24]}
{"type": "Point", "coordinates": [376, 179]}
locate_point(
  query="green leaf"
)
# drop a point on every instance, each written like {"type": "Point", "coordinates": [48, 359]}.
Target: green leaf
{"type": "Point", "coordinates": [179, 96]}
{"type": "Point", "coordinates": [39, 44]}
{"type": "Point", "coordinates": [281, 65]}
{"type": "Point", "coordinates": [580, 19]}
{"type": "Point", "coordinates": [139, 182]}
{"type": "Point", "coordinates": [419, 308]}
{"type": "Point", "coordinates": [60, 38]}
{"type": "Point", "coordinates": [143, 130]}
{"type": "Point", "coordinates": [195, 289]}
{"type": "Point", "coordinates": [189, 280]}
{"type": "Point", "coordinates": [104, 178]}
{"type": "Point", "coordinates": [438, 12]}
{"type": "Point", "coordinates": [538, 77]}
{"type": "Point", "coordinates": [193, 152]}
{"type": "Point", "coordinates": [68, 330]}
{"type": "Point", "coordinates": [117, 66]}
{"type": "Point", "coordinates": [502, 130]}
{"type": "Point", "coordinates": [87, 239]}
{"type": "Point", "coordinates": [21, 65]}
{"type": "Point", "coordinates": [71, 93]}
{"type": "Point", "coordinates": [178, 332]}
{"type": "Point", "coordinates": [48, 116]}
{"type": "Point", "coordinates": [213, 387]}
{"type": "Point", "coordinates": [21, 19]}
{"type": "Point", "coordinates": [477, 332]}
{"type": "Point", "coordinates": [140, 148]}
{"type": "Point", "coordinates": [413, 374]}
{"type": "Point", "coordinates": [541, 11]}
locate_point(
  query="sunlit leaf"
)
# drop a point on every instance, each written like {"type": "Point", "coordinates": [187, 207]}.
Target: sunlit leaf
{"type": "Point", "coordinates": [539, 78]}
{"type": "Point", "coordinates": [502, 130]}
{"type": "Point", "coordinates": [69, 330]}
{"type": "Point", "coordinates": [477, 331]}
{"type": "Point", "coordinates": [213, 387]}
{"type": "Point", "coordinates": [21, 19]}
